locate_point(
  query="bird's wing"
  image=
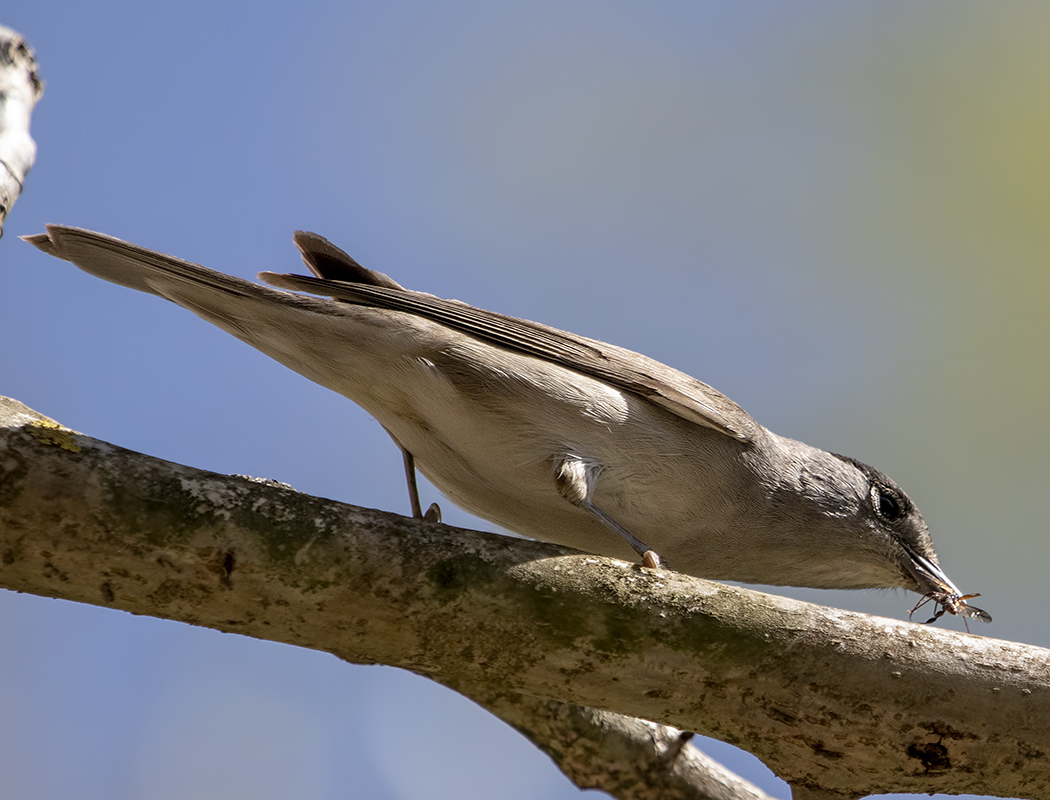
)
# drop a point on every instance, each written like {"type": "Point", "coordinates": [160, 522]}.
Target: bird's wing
{"type": "Point", "coordinates": [344, 279]}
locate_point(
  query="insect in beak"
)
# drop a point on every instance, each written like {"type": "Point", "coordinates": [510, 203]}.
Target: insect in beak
{"type": "Point", "coordinates": [944, 595]}
{"type": "Point", "coordinates": [954, 603]}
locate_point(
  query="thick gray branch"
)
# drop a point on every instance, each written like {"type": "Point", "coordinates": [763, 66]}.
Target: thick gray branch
{"type": "Point", "coordinates": [834, 702]}
{"type": "Point", "coordinates": [631, 759]}
{"type": "Point", "coordinates": [20, 88]}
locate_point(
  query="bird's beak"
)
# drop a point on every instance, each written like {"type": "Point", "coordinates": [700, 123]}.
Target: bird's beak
{"type": "Point", "coordinates": [928, 576]}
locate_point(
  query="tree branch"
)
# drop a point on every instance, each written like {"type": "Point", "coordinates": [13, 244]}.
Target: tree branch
{"type": "Point", "coordinates": [624, 756]}
{"type": "Point", "coordinates": [20, 88]}
{"type": "Point", "coordinates": [836, 703]}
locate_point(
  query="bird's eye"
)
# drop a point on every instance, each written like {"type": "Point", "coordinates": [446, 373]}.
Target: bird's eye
{"type": "Point", "coordinates": [886, 505]}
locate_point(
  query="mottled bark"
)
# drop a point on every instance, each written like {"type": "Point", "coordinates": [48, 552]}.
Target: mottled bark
{"type": "Point", "coordinates": [836, 703]}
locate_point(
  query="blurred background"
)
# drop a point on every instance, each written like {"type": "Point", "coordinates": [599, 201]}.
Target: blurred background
{"type": "Point", "coordinates": [836, 213]}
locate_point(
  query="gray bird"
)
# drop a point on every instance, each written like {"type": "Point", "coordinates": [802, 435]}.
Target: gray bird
{"type": "Point", "coordinates": [557, 436]}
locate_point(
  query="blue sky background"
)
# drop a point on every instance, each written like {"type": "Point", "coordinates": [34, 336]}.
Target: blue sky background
{"type": "Point", "coordinates": [836, 213]}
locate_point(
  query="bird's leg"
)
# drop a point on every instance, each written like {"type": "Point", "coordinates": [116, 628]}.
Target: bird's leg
{"type": "Point", "coordinates": [433, 514]}
{"type": "Point", "coordinates": [575, 480]}
{"type": "Point", "coordinates": [413, 487]}
{"type": "Point", "coordinates": [649, 556]}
